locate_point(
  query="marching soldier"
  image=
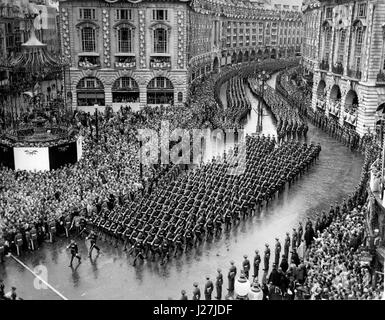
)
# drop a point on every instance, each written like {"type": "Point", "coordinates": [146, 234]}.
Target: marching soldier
{"type": "Point", "coordinates": [92, 237]}
{"type": "Point", "coordinates": [74, 252]}
{"type": "Point", "coordinates": [165, 251]}
{"type": "Point", "coordinates": [228, 220]}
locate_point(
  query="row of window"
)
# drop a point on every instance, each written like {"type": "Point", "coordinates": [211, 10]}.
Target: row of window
{"type": "Point", "coordinates": [125, 37]}
{"type": "Point", "coordinates": [355, 52]}
{"type": "Point", "coordinates": [361, 10]}
{"type": "Point", "coordinates": [125, 83]}
{"type": "Point", "coordinates": [122, 14]}
{"type": "Point", "coordinates": [285, 7]}
{"type": "Point", "coordinates": [282, 24]}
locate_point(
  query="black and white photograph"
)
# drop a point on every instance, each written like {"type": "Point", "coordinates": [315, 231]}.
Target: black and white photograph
{"type": "Point", "coordinates": [212, 150]}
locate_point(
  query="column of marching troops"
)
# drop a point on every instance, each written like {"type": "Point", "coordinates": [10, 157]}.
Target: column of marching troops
{"type": "Point", "coordinates": [199, 204]}
{"type": "Point", "coordinates": [290, 123]}
{"type": "Point", "coordinates": [237, 103]}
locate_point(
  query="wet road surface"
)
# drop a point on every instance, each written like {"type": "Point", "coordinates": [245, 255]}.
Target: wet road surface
{"type": "Point", "coordinates": [112, 276]}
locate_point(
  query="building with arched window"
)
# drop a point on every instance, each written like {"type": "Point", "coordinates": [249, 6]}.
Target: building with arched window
{"type": "Point", "coordinates": [149, 52]}
{"type": "Point", "coordinates": [90, 92]}
{"type": "Point", "coordinates": [160, 90]}
{"type": "Point", "coordinates": [125, 90]}
{"type": "Point", "coordinates": [347, 57]}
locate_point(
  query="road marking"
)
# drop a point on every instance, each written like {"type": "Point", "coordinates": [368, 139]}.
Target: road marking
{"type": "Point", "coordinates": [40, 278]}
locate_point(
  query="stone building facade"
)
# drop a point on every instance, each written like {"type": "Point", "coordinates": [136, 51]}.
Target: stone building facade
{"type": "Point", "coordinates": [141, 52]}
{"type": "Point", "coordinates": [311, 22]}
{"type": "Point", "coordinates": [349, 81]}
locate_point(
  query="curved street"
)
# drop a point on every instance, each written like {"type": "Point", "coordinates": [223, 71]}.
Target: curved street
{"type": "Point", "coordinates": [112, 275]}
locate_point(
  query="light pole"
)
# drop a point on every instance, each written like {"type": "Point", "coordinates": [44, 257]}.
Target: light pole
{"type": "Point", "coordinates": [262, 78]}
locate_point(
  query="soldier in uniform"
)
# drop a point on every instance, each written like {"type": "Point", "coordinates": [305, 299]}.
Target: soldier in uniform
{"type": "Point", "coordinates": [266, 258]}
{"type": "Point", "coordinates": [196, 292]}
{"type": "Point", "coordinates": [246, 266]}
{"type": "Point", "coordinates": [231, 276]}
{"type": "Point", "coordinates": [209, 288]}
{"type": "Point", "coordinates": [257, 261]}
{"type": "Point", "coordinates": [277, 251]}
{"type": "Point", "coordinates": [228, 220]}
{"type": "Point", "coordinates": [218, 284]}
{"type": "Point", "coordinates": [74, 252]}
{"type": "Point", "coordinates": [92, 238]}
{"type": "Point", "coordinates": [287, 245]}
{"type": "Point", "coordinates": [178, 244]}
{"type": "Point", "coordinates": [138, 251]}
{"type": "Point", "coordinates": [300, 233]}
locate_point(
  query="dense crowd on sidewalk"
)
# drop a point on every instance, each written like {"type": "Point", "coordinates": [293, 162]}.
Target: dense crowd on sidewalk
{"type": "Point", "coordinates": [34, 203]}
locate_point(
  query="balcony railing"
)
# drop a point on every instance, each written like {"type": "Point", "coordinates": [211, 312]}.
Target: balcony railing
{"type": "Point", "coordinates": [125, 65]}
{"type": "Point", "coordinates": [160, 65]}
{"type": "Point", "coordinates": [324, 65]}
{"type": "Point", "coordinates": [338, 69]}
{"type": "Point", "coordinates": [351, 118]}
{"type": "Point", "coordinates": [352, 108]}
{"type": "Point", "coordinates": [354, 74]}
{"type": "Point", "coordinates": [89, 62]}
{"type": "Point", "coordinates": [381, 77]}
